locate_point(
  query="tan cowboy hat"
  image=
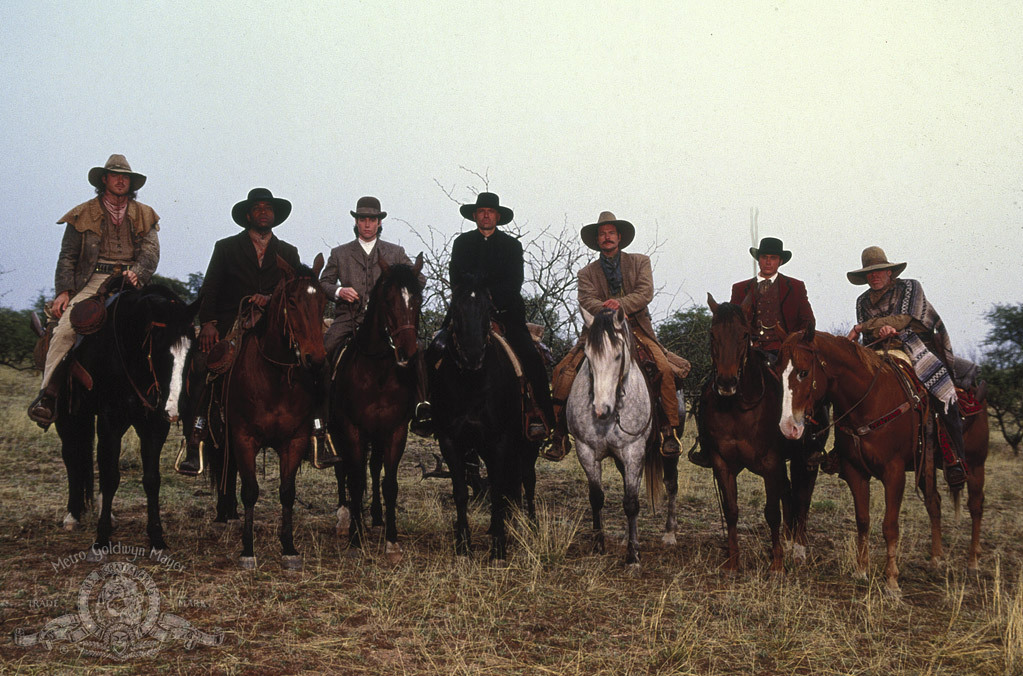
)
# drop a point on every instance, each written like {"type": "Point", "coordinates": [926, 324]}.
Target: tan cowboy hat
{"type": "Point", "coordinates": [240, 211]}
{"type": "Point", "coordinates": [873, 258]}
{"type": "Point", "coordinates": [116, 165]}
{"type": "Point", "coordinates": [368, 206]}
{"type": "Point", "coordinates": [625, 229]}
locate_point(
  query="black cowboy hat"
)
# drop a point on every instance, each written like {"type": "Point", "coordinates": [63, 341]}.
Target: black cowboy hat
{"type": "Point", "coordinates": [771, 246]}
{"type": "Point", "coordinates": [490, 201]}
{"type": "Point", "coordinates": [116, 165]}
{"type": "Point", "coordinates": [240, 211]}
{"type": "Point", "coordinates": [626, 231]}
{"type": "Point", "coordinates": [368, 206]}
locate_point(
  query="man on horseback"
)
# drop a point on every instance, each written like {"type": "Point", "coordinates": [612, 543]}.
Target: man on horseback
{"type": "Point", "coordinates": [347, 279]}
{"type": "Point", "coordinates": [778, 306]}
{"type": "Point", "coordinates": [243, 266]}
{"type": "Point", "coordinates": [111, 233]}
{"type": "Point", "coordinates": [494, 258]}
{"type": "Point", "coordinates": [620, 280]}
{"type": "Point", "coordinates": [895, 314]}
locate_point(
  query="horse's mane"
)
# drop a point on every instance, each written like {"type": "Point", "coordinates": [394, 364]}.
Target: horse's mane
{"type": "Point", "coordinates": [602, 332]}
{"type": "Point", "coordinates": [400, 275]}
{"type": "Point", "coordinates": [870, 359]}
{"type": "Point", "coordinates": [728, 312]}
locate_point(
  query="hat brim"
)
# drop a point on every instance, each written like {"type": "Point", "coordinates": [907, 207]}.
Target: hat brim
{"type": "Point", "coordinates": [96, 177]}
{"type": "Point", "coordinates": [859, 277]}
{"type": "Point", "coordinates": [282, 209]}
{"type": "Point", "coordinates": [786, 256]}
{"type": "Point", "coordinates": [505, 215]}
{"type": "Point", "coordinates": [380, 214]}
{"type": "Point", "coordinates": [589, 234]}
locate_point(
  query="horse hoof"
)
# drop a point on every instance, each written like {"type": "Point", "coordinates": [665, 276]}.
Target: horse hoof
{"type": "Point", "coordinates": [892, 591]}
{"type": "Point", "coordinates": [393, 553]}
{"type": "Point", "coordinates": [799, 554]}
{"type": "Point", "coordinates": [95, 555]}
{"type": "Point", "coordinates": [668, 539]}
{"type": "Point", "coordinates": [937, 563]}
{"type": "Point", "coordinates": [157, 553]}
{"type": "Point", "coordinates": [498, 563]}
{"type": "Point", "coordinates": [247, 562]}
{"type": "Point", "coordinates": [344, 522]}
{"type": "Point", "coordinates": [70, 523]}
{"type": "Point", "coordinates": [292, 562]}
{"type": "Point", "coordinates": [632, 568]}
{"type": "Point", "coordinates": [860, 576]}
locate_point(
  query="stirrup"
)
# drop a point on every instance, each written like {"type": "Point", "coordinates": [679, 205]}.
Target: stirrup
{"type": "Point", "coordinates": [667, 441]}
{"type": "Point", "coordinates": [955, 475]}
{"type": "Point", "coordinates": [324, 455]}
{"type": "Point", "coordinates": [536, 429]}
{"type": "Point", "coordinates": [699, 458]}
{"type": "Point", "coordinates": [181, 452]}
{"type": "Point", "coordinates": [421, 423]}
{"type": "Point", "coordinates": [556, 449]}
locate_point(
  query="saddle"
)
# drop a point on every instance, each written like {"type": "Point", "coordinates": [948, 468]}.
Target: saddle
{"type": "Point", "coordinates": [530, 410]}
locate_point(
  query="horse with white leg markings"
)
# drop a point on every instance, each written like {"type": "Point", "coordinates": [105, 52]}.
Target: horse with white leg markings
{"type": "Point", "coordinates": [610, 414]}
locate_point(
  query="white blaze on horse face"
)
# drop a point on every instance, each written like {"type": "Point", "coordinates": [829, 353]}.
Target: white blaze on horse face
{"type": "Point", "coordinates": [178, 352]}
{"type": "Point", "coordinates": [407, 298]}
{"type": "Point", "coordinates": [311, 290]}
{"type": "Point", "coordinates": [604, 370]}
{"type": "Point", "coordinates": [791, 424]}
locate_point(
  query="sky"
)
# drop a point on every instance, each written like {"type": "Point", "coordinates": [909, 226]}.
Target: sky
{"type": "Point", "coordinates": [844, 125]}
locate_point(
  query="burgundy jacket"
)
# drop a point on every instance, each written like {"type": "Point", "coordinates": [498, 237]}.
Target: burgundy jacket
{"type": "Point", "coordinates": [796, 313]}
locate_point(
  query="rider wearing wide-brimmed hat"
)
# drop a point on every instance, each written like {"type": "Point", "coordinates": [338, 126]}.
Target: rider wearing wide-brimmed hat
{"type": "Point", "coordinates": [351, 271]}
{"type": "Point", "coordinates": [110, 233]}
{"type": "Point", "coordinates": [619, 280]}
{"type": "Point", "coordinates": [492, 257]}
{"type": "Point", "coordinates": [894, 313]}
{"type": "Point", "coordinates": [242, 266]}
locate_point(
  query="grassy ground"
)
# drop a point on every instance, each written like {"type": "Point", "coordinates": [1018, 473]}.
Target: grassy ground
{"type": "Point", "coordinates": [556, 608]}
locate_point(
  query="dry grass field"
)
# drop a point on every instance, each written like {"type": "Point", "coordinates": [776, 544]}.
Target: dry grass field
{"type": "Point", "coordinates": [556, 608]}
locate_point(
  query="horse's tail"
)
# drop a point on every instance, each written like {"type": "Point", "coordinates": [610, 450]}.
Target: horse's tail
{"type": "Point", "coordinates": [654, 471]}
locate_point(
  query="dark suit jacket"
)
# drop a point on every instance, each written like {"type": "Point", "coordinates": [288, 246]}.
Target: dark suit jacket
{"type": "Point", "coordinates": [497, 262]}
{"type": "Point", "coordinates": [233, 274]}
{"type": "Point", "coordinates": [796, 313]}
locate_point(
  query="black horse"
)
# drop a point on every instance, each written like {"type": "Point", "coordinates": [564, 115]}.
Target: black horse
{"type": "Point", "coordinates": [477, 404]}
{"type": "Point", "coordinates": [127, 374]}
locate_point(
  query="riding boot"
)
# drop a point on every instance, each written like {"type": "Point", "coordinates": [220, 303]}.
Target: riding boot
{"type": "Point", "coordinates": [192, 464]}
{"type": "Point", "coordinates": [43, 409]}
{"type": "Point", "coordinates": [321, 452]}
{"type": "Point", "coordinates": [699, 458]}
{"type": "Point", "coordinates": [670, 447]}
{"type": "Point", "coordinates": [955, 469]}
{"type": "Point", "coordinates": [422, 417]}
{"type": "Point", "coordinates": [557, 446]}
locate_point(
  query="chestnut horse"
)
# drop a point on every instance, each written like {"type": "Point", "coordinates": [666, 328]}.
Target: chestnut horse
{"type": "Point", "coordinates": [880, 425]}
{"type": "Point", "coordinates": [737, 430]}
{"type": "Point", "coordinates": [270, 394]}
{"type": "Point", "coordinates": [373, 395]}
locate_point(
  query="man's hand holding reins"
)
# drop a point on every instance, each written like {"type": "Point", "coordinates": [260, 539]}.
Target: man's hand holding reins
{"type": "Point", "coordinates": [60, 304]}
{"type": "Point", "coordinates": [612, 304]}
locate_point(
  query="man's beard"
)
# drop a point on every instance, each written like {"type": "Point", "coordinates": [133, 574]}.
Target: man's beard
{"type": "Point", "coordinates": [263, 231]}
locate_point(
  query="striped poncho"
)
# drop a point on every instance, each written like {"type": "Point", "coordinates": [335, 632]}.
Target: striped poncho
{"type": "Point", "coordinates": [902, 303]}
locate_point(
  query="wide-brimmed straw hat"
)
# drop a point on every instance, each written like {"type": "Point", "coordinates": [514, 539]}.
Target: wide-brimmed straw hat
{"type": "Point", "coordinates": [626, 231]}
{"type": "Point", "coordinates": [873, 258]}
{"type": "Point", "coordinates": [368, 206]}
{"type": "Point", "coordinates": [240, 211]}
{"type": "Point", "coordinates": [490, 201]}
{"type": "Point", "coordinates": [771, 246]}
{"type": "Point", "coordinates": [116, 165]}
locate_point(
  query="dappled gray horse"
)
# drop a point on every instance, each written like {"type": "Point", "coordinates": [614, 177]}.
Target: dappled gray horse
{"type": "Point", "coordinates": [610, 413]}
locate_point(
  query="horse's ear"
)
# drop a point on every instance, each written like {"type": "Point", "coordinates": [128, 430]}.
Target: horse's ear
{"type": "Point", "coordinates": [587, 317]}
{"type": "Point", "coordinates": [286, 270]}
{"type": "Point", "coordinates": [418, 267]}
{"type": "Point", "coordinates": [383, 265]}
{"type": "Point", "coordinates": [808, 333]}
{"type": "Point", "coordinates": [711, 303]}
{"type": "Point", "coordinates": [317, 265]}
{"type": "Point", "coordinates": [747, 307]}
{"type": "Point", "coordinates": [620, 316]}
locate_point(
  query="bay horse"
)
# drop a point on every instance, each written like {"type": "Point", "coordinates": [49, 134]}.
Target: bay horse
{"type": "Point", "coordinates": [881, 428]}
{"type": "Point", "coordinates": [128, 374]}
{"type": "Point", "coordinates": [269, 399]}
{"type": "Point", "coordinates": [739, 405]}
{"type": "Point", "coordinates": [373, 395]}
{"type": "Point", "coordinates": [477, 412]}
{"type": "Point", "coordinates": [610, 414]}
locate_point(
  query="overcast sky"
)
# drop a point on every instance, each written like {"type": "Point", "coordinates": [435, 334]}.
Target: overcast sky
{"type": "Point", "coordinates": [846, 125]}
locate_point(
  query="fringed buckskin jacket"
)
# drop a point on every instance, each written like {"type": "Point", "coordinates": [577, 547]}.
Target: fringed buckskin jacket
{"type": "Point", "coordinates": [79, 250]}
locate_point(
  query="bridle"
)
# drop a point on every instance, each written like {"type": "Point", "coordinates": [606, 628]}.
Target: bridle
{"type": "Point", "coordinates": [624, 343]}
{"type": "Point", "coordinates": [747, 345]}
